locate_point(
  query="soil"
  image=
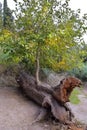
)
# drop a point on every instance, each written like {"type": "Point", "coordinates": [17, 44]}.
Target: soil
{"type": "Point", "coordinates": [80, 110]}
{"type": "Point", "coordinates": [17, 113]}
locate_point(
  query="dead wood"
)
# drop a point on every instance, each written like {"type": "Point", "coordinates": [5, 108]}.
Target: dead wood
{"type": "Point", "coordinates": [51, 98]}
{"type": "Point", "coordinates": [63, 91]}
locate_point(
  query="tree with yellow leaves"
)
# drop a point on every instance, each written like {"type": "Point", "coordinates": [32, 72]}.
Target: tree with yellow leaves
{"type": "Point", "coordinates": [47, 33]}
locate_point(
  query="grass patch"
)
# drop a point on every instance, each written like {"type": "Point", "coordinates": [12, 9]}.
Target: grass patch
{"type": "Point", "coordinates": [74, 96]}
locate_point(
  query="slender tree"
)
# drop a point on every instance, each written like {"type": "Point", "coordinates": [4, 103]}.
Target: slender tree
{"type": "Point", "coordinates": [5, 13]}
{"type": "Point", "coordinates": [48, 34]}
{"type": "Point", "coordinates": [0, 15]}
{"type": "Point", "coordinates": [7, 16]}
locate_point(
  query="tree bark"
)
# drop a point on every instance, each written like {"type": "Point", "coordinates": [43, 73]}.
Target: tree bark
{"type": "Point", "coordinates": [63, 91]}
{"type": "Point", "coordinates": [37, 67]}
{"type": "Point", "coordinates": [51, 98]}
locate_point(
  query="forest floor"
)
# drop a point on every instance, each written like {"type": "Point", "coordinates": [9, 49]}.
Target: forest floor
{"type": "Point", "coordinates": [17, 112]}
{"type": "Point", "coordinates": [80, 109]}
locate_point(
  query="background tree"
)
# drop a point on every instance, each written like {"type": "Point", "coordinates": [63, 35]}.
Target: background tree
{"type": "Point", "coordinates": [0, 15]}
{"type": "Point", "coordinates": [7, 16]}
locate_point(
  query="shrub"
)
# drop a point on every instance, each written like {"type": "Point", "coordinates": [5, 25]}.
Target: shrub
{"type": "Point", "coordinates": [80, 73]}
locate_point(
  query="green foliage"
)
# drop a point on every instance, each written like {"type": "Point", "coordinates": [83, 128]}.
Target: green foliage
{"type": "Point", "coordinates": [7, 17]}
{"type": "Point", "coordinates": [74, 97]}
{"type": "Point", "coordinates": [0, 15]}
{"type": "Point", "coordinates": [50, 26]}
{"type": "Point", "coordinates": [81, 72]}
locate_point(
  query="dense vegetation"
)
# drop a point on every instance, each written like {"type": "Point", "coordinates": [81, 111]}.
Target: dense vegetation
{"type": "Point", "coordinates": [46, 31]}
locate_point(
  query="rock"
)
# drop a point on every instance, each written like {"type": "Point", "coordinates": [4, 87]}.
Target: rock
{"type": "Point", "coordinates": [54, 79]}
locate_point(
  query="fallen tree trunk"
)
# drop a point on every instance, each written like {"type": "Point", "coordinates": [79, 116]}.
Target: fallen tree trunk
{"type": "Point", "coordinates": [63, 91]}
{"type": "Point", "coordinates": [53, 98]}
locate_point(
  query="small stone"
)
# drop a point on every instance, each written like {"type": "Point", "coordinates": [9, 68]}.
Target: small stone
{"type": "Point", "coordinates": [45, 125]}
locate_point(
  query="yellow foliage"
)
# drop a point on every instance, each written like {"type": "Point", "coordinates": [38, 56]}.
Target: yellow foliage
{"type": "Point", "coordinates": [1, 39]}
{"type": "Point", "coordinates": [52, 40]}
{"type": "Point", "coordinates": [5, 34]}
{"type": "Point", "coordinates": [62, 65]}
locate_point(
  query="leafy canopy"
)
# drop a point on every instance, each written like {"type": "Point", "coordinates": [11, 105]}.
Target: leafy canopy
{"type": "Point", "coordinates": [47, 26]}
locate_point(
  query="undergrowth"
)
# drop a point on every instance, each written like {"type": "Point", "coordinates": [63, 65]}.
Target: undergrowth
{"type": "Point", "coordinates": [74, 96]}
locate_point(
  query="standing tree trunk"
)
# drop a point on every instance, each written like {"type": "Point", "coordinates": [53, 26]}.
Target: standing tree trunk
{"type": "Point", "coordinates": [37, 65]}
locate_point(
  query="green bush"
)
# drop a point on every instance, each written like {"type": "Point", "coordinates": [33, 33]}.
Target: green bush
{"type": "Point", "coordinates": [80, 73]}
{"type": "Point", "coordinates": [74, 96]}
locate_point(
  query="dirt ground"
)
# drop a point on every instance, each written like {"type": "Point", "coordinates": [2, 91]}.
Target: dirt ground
{"type": "Point", "coordinates": [80, 110]}
{"type": "Point", "coordinates": [17, 112]}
